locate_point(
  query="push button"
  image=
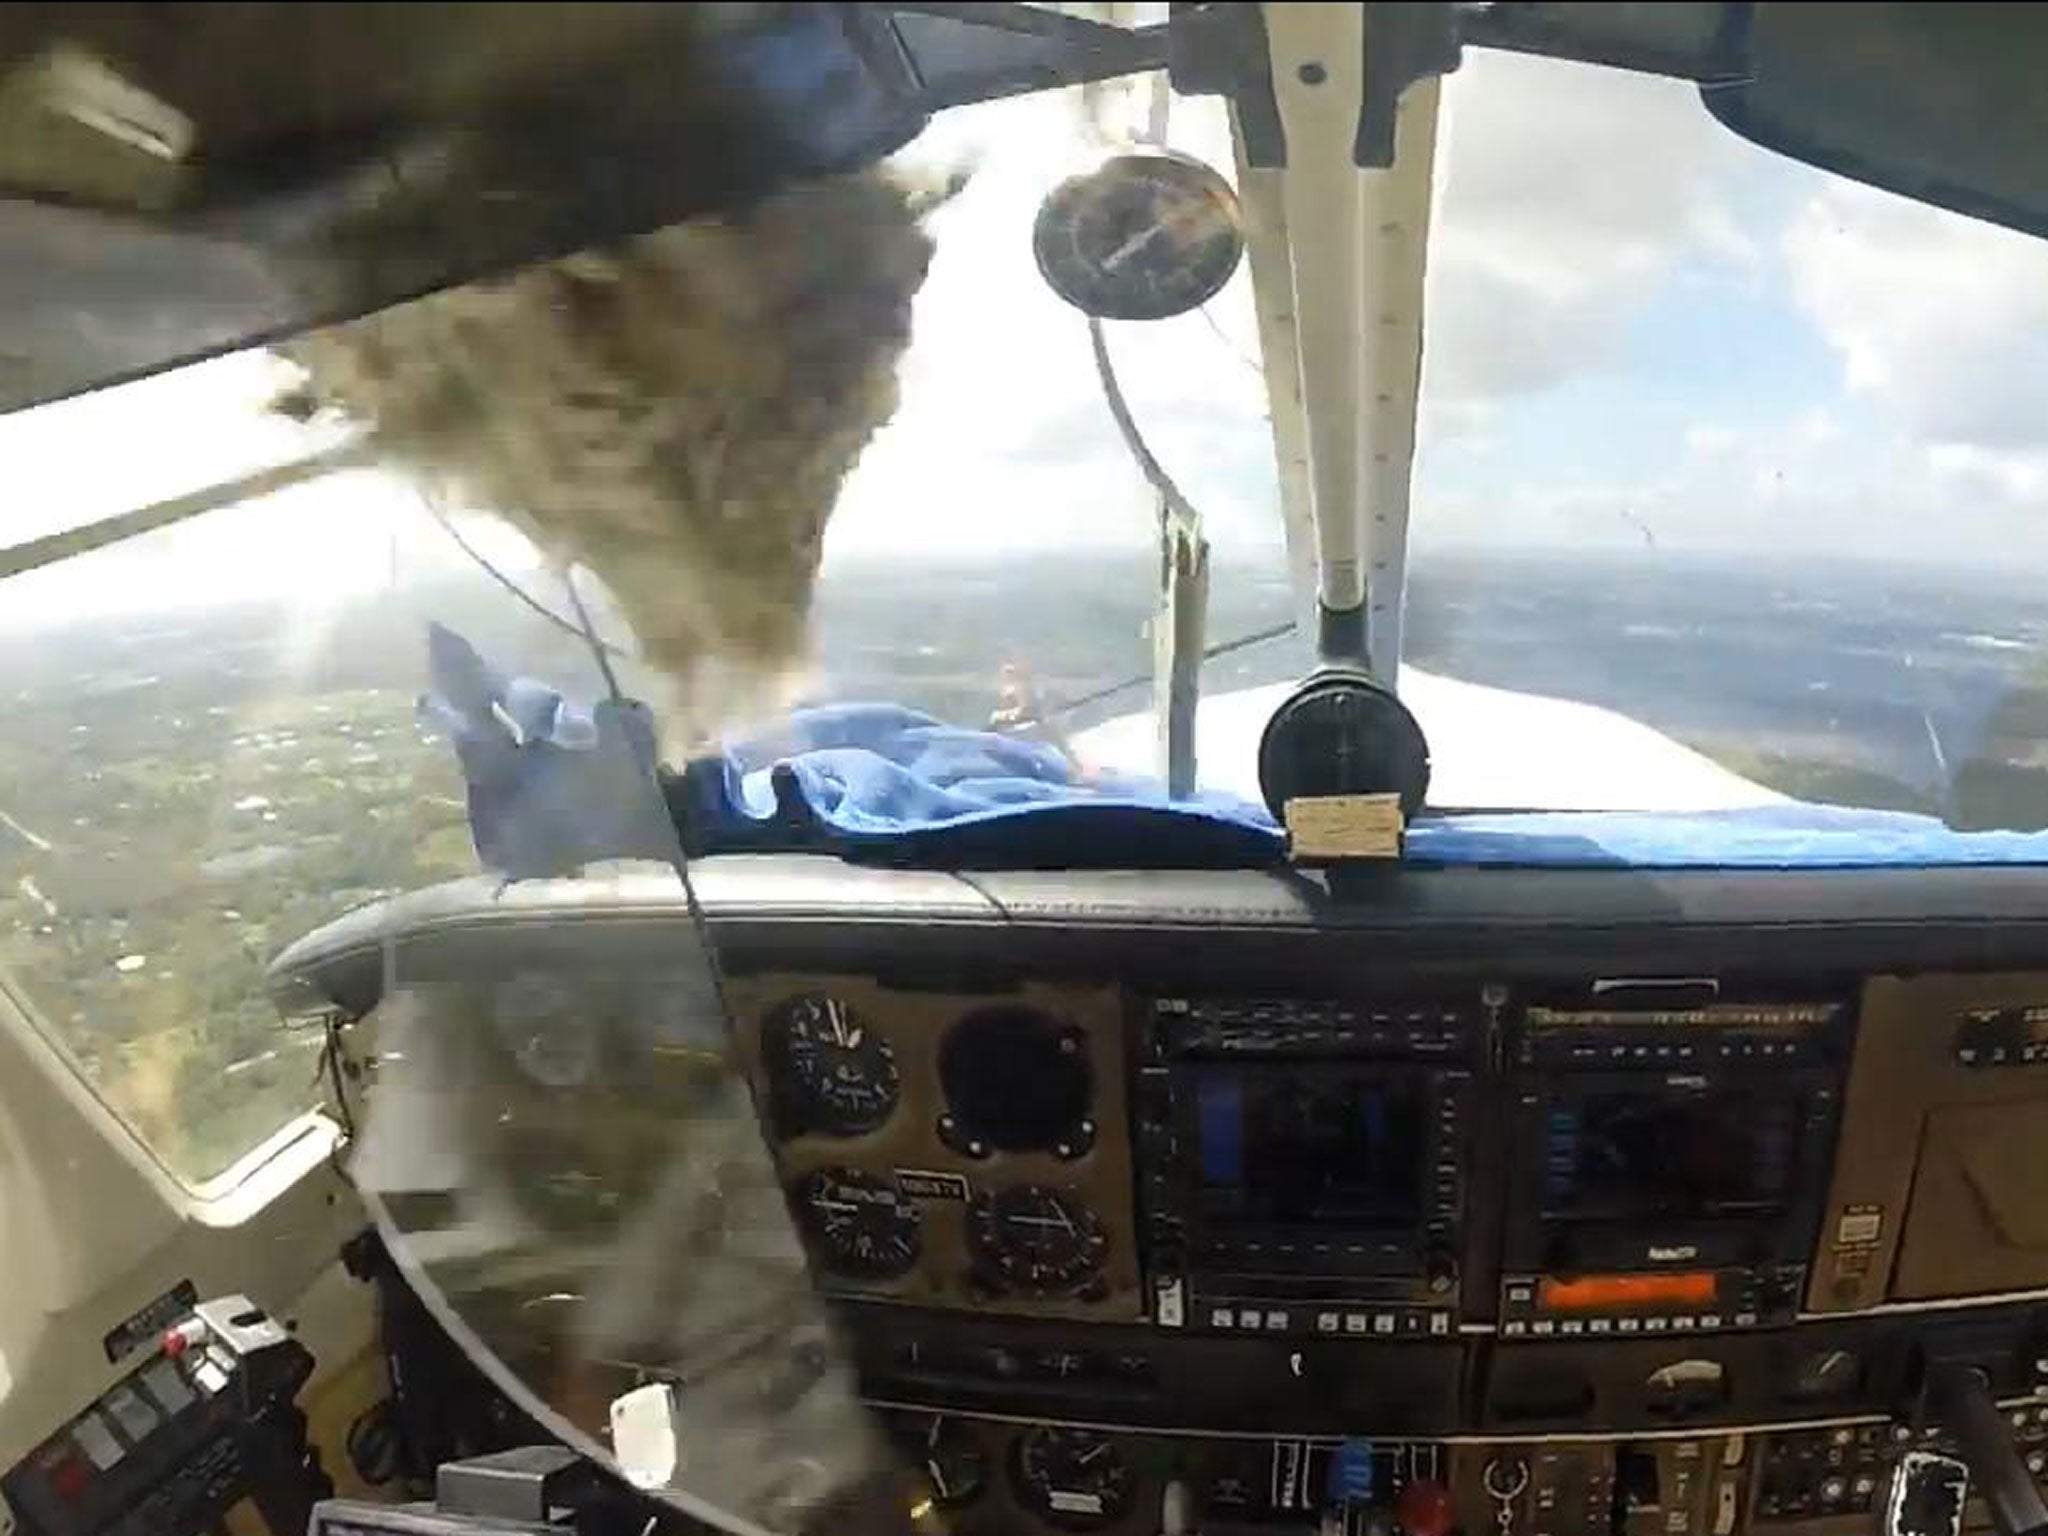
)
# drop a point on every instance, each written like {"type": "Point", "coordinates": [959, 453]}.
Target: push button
{"type": "Point", "coordinates": [93, 1437]}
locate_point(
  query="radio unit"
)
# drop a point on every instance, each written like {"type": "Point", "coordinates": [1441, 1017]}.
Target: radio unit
{"type": "Point", "coordinates": [1667, 1165]}
{"type": "Point", "coordinates": [1302, 1164]}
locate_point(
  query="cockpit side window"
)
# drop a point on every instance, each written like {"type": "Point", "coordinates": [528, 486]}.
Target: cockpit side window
{"type": "Point", "coordinates": [215, 743]}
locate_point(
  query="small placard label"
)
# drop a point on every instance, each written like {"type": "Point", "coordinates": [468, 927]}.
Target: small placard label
{"type": "Point", "coordinates": [1859, 1224]}
{"type": "Point", "coordinates": [1344, 827]}
{"type": "Point", "coordinates": [152, 1320]}
{"type": "Point", "coordinates": [921, 1184]}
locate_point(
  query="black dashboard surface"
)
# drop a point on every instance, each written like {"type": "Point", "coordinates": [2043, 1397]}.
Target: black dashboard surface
{"type": "Point", "coordinates": [775, 909]}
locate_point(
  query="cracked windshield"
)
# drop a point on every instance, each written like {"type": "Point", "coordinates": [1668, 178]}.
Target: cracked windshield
{"type": "Point", "coordinates": [1725, 473]}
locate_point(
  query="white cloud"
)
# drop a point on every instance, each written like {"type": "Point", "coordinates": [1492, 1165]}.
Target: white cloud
{"type": "Point", "coordinates": [1576, 205]}
{"type": "Point", "coordinates": [2006, 473]}
{"type": "Point", "coordinates": [1816, 425]}
{"type": "Point", "coordinates": [1566, 194]}
{"type": "Point", "coordinates": [1941, 320]}
{"type": "Point", "coordinates": [1569, 196]}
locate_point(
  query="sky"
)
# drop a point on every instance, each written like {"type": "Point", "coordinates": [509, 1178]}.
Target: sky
{"type": "Point", "coordinates": [1640, 330]}
{"type": "Point", "coordinates": [1642, 327]}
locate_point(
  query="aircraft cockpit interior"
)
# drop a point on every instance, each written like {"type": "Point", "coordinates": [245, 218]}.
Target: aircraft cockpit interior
{"type": "Point", "coordinates": [933, 769]}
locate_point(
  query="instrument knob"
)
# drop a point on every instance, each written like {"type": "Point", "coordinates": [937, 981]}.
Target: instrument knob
{"type": "Point", "coordinates": [1776, 1293]}
{"type": "Point", "coordinates": [1424, 1508]}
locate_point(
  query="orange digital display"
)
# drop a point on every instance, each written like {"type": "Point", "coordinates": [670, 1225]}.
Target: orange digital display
{"type": "Point", "coordinates": [1691, 1288]}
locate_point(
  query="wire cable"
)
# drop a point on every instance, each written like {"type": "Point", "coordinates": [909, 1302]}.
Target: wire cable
{"type": "Point", "coordinates": [1223, 336]}
{"type": "Point", "coordinates": [598, 649]}
{"type": "Point", "coordinates": [1209, 653]}
{"type": "Point", "coordinates": [1175, 502]}
{"type": "Point", "coordinates": [441, 516]}
{"type": "Point", "coordinates": [641, 745]}
{"type": "Point", "coordinates": [1177, 506]}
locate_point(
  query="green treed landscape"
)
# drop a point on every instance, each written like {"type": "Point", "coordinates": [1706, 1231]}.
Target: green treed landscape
{"type": "Point", "coordinates": [184, 793]}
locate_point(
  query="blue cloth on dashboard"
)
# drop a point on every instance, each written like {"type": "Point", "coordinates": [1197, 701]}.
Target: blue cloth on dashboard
{"type": "Point", "coordinates": [880, 771]}
{"type": "Point", "coordinates": [553, 785]}
{"type": "Point", "coordinates": [884, 769]}
{"type": "Point", "coordinates": [881, 781]}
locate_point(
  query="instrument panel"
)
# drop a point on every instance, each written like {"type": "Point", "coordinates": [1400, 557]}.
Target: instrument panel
{"type": "Point", "coordinates": [1628, 1205]}
{"type": "Point", "coordinates": [1621, 1159]}
{"type": "Point", "coordinates": [951, 1149]}
{"type": "Point", "coordinates": [1595, 1205]}
{"type": "Point", "coordinates": [988, 1476]}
